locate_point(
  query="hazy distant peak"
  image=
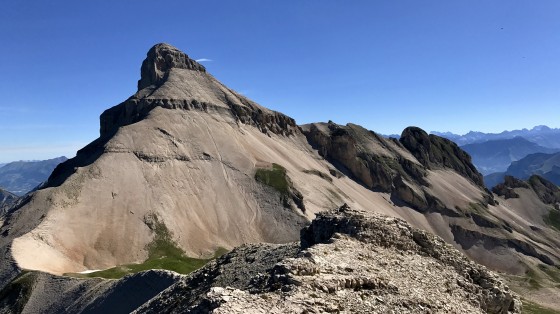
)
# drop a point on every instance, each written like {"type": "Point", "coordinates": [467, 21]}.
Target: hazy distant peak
{"type": "Point", "coordinates": [159, 60]}
{"type": "Point", "coordinates": [541, 128]}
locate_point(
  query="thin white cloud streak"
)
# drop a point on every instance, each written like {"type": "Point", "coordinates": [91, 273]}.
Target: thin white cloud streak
{"type": "Point", "coordinates": [203, 60]}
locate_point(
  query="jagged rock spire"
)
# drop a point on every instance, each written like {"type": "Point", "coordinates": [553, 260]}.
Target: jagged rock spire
{"type": "Point", "coordinates": [159, 60]}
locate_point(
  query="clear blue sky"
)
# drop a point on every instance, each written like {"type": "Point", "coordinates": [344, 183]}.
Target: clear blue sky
{"type": "Point", "coordinates": [442, 65]}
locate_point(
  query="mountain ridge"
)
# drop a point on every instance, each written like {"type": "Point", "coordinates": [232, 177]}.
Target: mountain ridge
{"type": "Point", "coordinates": [21, 177]}
{"type": "Point", "coordinates": [541, 134]}
{"type": "Point", "coordinates": [188, 160]}
{"type": "Point", "coordinates": [497, 155]}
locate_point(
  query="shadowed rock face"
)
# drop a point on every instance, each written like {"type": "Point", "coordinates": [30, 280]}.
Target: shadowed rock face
{"type": "Point", "coordinates": [388, 165]}
{"type": "Point", "coordinates": [160, 59]}
{"type": "Point", "coordinates": [435, 152]}
{"type": "Point", "coordinates": [506, 189]}
{"type": "Point", "coordinates": [547, 191]}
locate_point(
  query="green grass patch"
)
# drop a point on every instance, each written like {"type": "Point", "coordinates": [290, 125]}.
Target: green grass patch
{"type": "Point", "coordinates": [163, 253]}
{"type": "Point", "coordinates": [477, 208]}
{"type": "Point", "coordinates": [533, 308]}
{"type": "Point", "coordinates": [552, 271]}
{"type": "Point", "coordinates": [553, 218]}
{"type": "Point", "coordinates": [533, 279]}
{"type": "Point", "coordinates": [275, 177]}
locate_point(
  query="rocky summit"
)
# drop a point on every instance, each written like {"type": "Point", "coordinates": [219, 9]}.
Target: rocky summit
{"type": "Point", "coordinates": [186, 169]}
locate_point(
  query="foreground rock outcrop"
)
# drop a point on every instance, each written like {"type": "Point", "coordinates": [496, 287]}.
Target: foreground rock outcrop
{"type": "Point", "coordinates": [349, 262]}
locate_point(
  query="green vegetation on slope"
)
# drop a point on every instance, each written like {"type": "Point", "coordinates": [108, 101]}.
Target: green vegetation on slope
{"type": "Point", "coordinates": [17, 292]}
{"type": "Point", "coordinates": [163, 253]}
{"type": "Point", "coordinates": [553, 218]}
{"type": "Point", "coordinates": [275, 177]}
{"type": "Point", "coordinates": [533, 279]}
{"type": "Point", "coordinates": [552, 271]}
{"type": "Point", "coordinates": [533, 308]}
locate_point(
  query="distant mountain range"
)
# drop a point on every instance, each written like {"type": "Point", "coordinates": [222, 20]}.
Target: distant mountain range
{"type": "Point", "coordinates": [20, 177]}
{"type": "Point", "coordinates": [496, 155]}
{"type": "Point", "coordinates": [544, 165]}
{"type": "Point", "coordinates": [541, 135]}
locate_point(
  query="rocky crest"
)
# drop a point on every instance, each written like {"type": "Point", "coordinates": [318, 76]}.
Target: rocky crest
{"type": "Point", "coordinates": [349, 261]}
{"type": "Point", "coordinates": [160, 59]}
{"type": "Point", "coordinates": [506, 189]}
{"type": "Point", "coordinates": [390, 165]}
{"type": "Point", "coordinates": [165, 83]}
{"type": "Point", "coordinates": [547, 191]}
{"type": "Point", "coordinates": [436, 152]}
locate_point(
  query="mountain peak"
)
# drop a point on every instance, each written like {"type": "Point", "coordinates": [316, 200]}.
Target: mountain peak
{"type": "Point", "coordinates": [159, 60]}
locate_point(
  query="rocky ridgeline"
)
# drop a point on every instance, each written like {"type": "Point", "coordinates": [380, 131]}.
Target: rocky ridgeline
{"type": "Point", "coordinates": [348, 262]}
{"type": "Point", "coordinates": [436, 152]}
{"type": "Point", "coordinates": [156, 68]}
{"type": "Point", "coordinates": [387, 168]}
{"type": "Point", "coordinates": [548, 192]}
